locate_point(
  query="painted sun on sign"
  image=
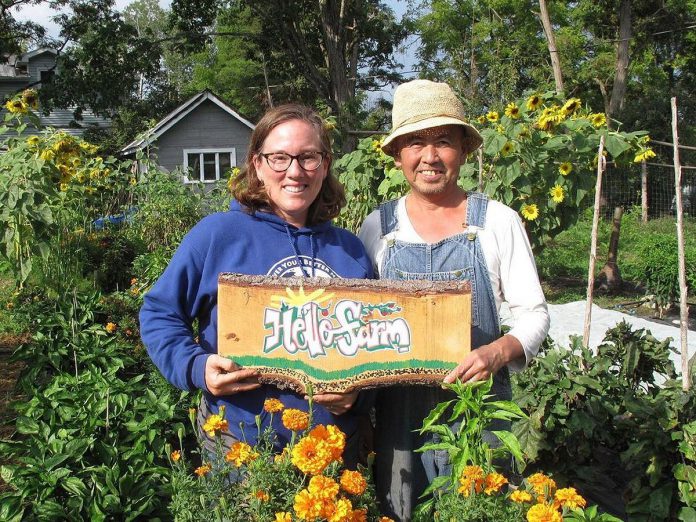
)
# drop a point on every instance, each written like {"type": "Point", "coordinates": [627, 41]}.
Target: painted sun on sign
{"type": "Point", "coordinates": [343, 334]}
{"type": "Point", "coordinates": [299, 322]}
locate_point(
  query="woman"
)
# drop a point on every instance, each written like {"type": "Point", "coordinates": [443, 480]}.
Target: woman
{"type": "Point", "coordinates": [279, 224]}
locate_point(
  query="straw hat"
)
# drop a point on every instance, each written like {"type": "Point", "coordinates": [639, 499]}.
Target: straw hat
{"type": "Point", "coordinates": [422, 104]}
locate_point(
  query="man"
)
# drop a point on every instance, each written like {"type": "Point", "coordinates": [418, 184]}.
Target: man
{"type": "Point", "coordinates": [440, 232]}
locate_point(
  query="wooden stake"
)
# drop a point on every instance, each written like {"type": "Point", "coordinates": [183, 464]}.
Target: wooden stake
{"type": "Point", "coordinates": [644, 191]}
{"type": "Point", "coordinates": [683, 305]}
{"type": "Point", "coordinates": [601, 164]}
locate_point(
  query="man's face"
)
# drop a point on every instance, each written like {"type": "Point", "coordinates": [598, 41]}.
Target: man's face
{"type": "Point", "coordinates": [430, 159]}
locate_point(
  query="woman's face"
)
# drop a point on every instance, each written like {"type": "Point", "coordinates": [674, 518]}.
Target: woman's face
{"type": "Point", "coordinates": [293, 190]}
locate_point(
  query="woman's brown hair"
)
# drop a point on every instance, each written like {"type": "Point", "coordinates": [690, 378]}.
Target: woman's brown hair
{"type": "Point", "coordinates": [250, 191]}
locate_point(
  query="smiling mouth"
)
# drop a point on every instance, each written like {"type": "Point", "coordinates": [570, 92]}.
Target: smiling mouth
{"type": "Point", "coordinates": [430, 173]}
{"type": "Point", "coordinates": [295, 189]}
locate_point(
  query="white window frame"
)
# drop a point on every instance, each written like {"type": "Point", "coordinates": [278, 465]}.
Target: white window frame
{"type": "Point", "coordinates": [233, 163]}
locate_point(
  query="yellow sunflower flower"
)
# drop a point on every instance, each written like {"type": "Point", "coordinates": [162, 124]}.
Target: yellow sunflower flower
{"type": "Point", "coordinates": [493, 482]}
{"type": "Point", "coordinates": [530, 212]}
{"type": "Point", "coordinates": [33, 141]}
{"type": "Point", "coordinates": [481, 119]}
{"type": "Point", "coordinates": [598, 119]}
{"type": "Point", "coordinates": [273, 406]}
{"type": "Point", "coordinates": [31, 98]}
{"type": "Point", "coordinates": [16, 106]}
{"type": "Point", "coordinates": [644, 155]}
{"type": "Point", "coordinates": [353, 482]}
{"type": "Point", "coordinates": [507, 149]}
{"type": "Point", "coordinates": [557, 194]}
{"type": "Point", "coordinates": [565, 168]}
{"type": "Point", "coordinates": [543, 513]}
{"type": "Point", "coordinates": [492, 116]}
{"type": "Point", "coordinates": [240, 453]}
{"type": "Point", "coordinates": [533, 102]}
{"type": "Point", "coordinates": [568, 497]}
{"type": "Point", "coordinates": [512, 110]}
{"type": "Point", "coordinates": [520, 497]}
{"type": "Point", "coordinates": [295, 420]}
{"type": "Point", "coordinates": [571, 106]}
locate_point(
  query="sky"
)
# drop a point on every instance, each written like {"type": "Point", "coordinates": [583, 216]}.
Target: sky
{"type": "Point", "coordinates": [42, 15]}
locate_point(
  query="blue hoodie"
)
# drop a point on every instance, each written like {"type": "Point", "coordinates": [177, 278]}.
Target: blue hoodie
{"type": "Point", "coordinates": [254, 244]}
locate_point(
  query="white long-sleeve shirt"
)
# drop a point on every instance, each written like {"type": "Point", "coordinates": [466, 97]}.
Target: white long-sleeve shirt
{"type": "Point", "coordinates": [510, 264]}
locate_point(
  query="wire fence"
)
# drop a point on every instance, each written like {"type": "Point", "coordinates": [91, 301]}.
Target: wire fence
{"type": "Point", "coordinates": [650, 186]}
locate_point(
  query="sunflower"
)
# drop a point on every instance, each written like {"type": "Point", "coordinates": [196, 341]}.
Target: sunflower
{"type": "Point", "coordinates": [16, 106]}
{"type": "Point", "coordinates": [644, 156]}
{"type": "Point", "coordinates": [507, 149]}
{"type": "Point", "coordinates": [295, 420]}
{"type": "Point", "coordinates": [571, 106]}
{"type": "Point", "coordinates": [565, 168]}
{"type": "Point", "coordinates": [530, 212]}
{"type": "Point", "coordinates": [512, 110]}
{"type": "Point", "coordinates": [598, 119]}
{"type": "Point", "coordinates": [31, 98]}
{"type": "Point", "coordinates": [533, 102]}
{"type": "Point", "coordinates": [556, 193]}
{"type": "Point", "coordinates": [492, 116]}
{"type": "Point", "coordinates": [481, 119]}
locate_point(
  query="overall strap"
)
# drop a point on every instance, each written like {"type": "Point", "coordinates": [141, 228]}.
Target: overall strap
{"type": "Point", "coordinates": [476, 206]}
{"type": "Point", "coordinates": [387, 214]}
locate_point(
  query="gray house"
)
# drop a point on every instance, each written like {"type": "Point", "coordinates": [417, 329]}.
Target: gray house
{"type": "Point", "coordinates": [33, 69]}
{"type": "Point", "coordinates": [204, 137]}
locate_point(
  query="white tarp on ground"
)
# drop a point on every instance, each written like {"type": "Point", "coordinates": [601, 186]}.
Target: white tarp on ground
{"type": "Point", "coordinates": [569, 319]}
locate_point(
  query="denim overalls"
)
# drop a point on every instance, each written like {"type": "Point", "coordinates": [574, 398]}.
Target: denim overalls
{"type": "Point", "coordinates": [400, 474]}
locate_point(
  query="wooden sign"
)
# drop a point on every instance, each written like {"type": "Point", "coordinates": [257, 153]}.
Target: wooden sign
{"type": "Point", "coordinates": [343, 334]}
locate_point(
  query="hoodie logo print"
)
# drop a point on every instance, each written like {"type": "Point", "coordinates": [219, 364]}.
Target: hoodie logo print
{"type": "Point", "coordinates": [288, 267]}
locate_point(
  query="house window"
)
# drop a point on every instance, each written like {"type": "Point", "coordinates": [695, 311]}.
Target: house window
{"type": "Point", "coordinates": [208, 165]}
{"type": "Point", "coordinates": [47, 76]}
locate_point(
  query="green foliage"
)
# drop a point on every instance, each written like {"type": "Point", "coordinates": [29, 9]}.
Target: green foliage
{"type": "Point", "coordinates": [607, 420]}
{"type": "Point", "coordinates": [459, 425]}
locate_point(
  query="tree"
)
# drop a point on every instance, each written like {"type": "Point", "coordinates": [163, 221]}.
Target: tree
{"type": "Point", "coordinates": [324, 50]}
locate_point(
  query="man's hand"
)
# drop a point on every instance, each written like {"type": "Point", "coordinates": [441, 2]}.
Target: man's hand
{"type": "Point", "coordinates": [486, 360]}
{"type": "Point", "coordinates": [224, 377]}
{"type": "Point", "coordinates": [336, 403]}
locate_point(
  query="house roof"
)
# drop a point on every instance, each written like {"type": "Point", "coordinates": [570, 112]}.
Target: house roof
{"type": "Point", "coordinates": [9, 70]}
{"type": "Point", "coordinates": [177, 115]}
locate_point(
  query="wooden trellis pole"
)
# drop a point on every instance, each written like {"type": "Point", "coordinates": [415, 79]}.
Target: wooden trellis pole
{"type": "Point", "coordinates": [601, 164]}
{"type": "Point", "coordinates": [683, 305]}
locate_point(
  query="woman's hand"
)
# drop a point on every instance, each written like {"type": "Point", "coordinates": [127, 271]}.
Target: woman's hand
{"type": "Point", "coordinates": [336, 403]}
{"type": "Point", "coordinates": [225, 377]}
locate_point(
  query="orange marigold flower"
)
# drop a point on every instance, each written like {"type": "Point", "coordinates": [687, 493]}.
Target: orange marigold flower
{"type": "Point", "coordinates": [203, 470]}
{"type": "Point", "coordinates": [543, 513]}
{"type": "Point", "coordinates": [283, 516]}
{"type": "Point", "coordinates": [134, 281]}
{"type": "Point", "coordinates": [542, 485]}
{"type": "Point", "coordinates": [240, 453]}
{"type": "Point", "coordinates": [323, 487]}
{"type": "Point", "coordinates": [493, 483]}
{"type": "Point", "coordinates": [520, 496]}
{"type": "Point", "coordinates": [353, 482]}
{"type": "Point", "coordinates": [311, 455]}
{"type": "Point", "coordinates": [295, 420]}
{"type": "Point", "coordinates": [175, 455]}
{"type": "Point", "coordinates": [359, 515]}
{"type": "Point", "coordinates": [214, 424]}
{"type": "Point", "coordinates": [111, 327]}
{"type": "Point", "coordinates": [262, 495]}
{"type": "Point", "coordinates": [341, 511]}
{"type": "Point", "coordinates": [386, 519]}
{"type": "Point", "coordinates": [273, 406]}
{"type": "Point", "coordinates": [334, 438]}
{"type": "Point", "coordinates": [471, 480]}
{"type": "Point", "coordinates": [568, 497]}
{"type": "Point", "coordinates": [306, 506]}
